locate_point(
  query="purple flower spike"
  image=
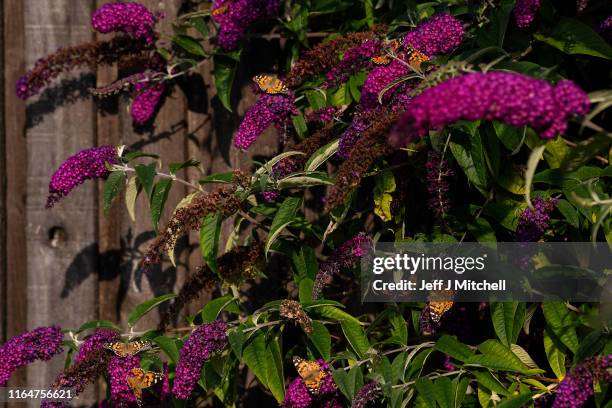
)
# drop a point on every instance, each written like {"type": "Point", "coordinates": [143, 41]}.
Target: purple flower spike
{"type": "Point", "coordinates": [353, 60]}
{"type": "Point", "coordinates": [344, 257]}
{"type": "Point", "coordinates": [370, 392]}
{"type": "Point", "coordinates": [234, 18]}
{"type": "Point", "coordinates": [85, 165]}
{"type": "Point", "coordinates": [95, 342]}
{"type": "Point", "coordinates": [515, 99]}
{"type": "Point", "coordinates": [439, 35]}
{"type": "Point", "coordinates": [525, 12]}
{"type": "Point", "coordinates": [119, 368]}
{"type": "Point", "coordinates": [146, 98]}
{"type": "Point", "coordinates": [297, 395]}
{"type": "Point", "coordinates": [268, 110]}
{"type": "Point", "coordinates": [133, 19]}
{"type": "Point", "coordinates": [204, 341]}
{"type": "Point", "coordinates": [39, 344]}
{"type": "Point", "coordinates": [577, 386]}
{"type": "Point", "coordinates": [534, 223]}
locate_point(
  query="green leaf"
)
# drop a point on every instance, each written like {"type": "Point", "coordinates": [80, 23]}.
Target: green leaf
{"type": "Point", "coordinates": [494, 33]}
{"type": "Point", "coordinates": [444, 392]}
{"type": "Point", "coordinates": [451, 346]}
{"type": "Point", "coordinates": [168, 346]}
{"type": "Point", "coordinates": [190, 45]}
{"type": "Point", "coordinates": [112, 187]}
{"type": "Point", "coordinates": [482, 230]}
{"type": "Point", "coordinates": [321, 339]}
{"type": "Point", "coordinates": [515, 402]}
{"type": "Point", "coordinates": [356, 337]}
{"type": "Point", "coordinates": [532, 164]}
{"type": "Point", "coordinates": [224, 73]}
{"type": "Point", "coordinates": [316, 99]}
{"type": "Point", "coordinates": [284, 216]}
{"type": "Point", "coordinates": [174, 167]}
{"type": "Point", "coordinates": [254, 355]}
{"type": "Point", "coordinates": [399, 329]}
{"type": "Point", "coordinates": [497, 357]}
{"type": "Point", "coordinates": [385, 185]}
{"type": "Point", "coordinates": [586, 150]}
{"type": "Point", "coordinates": [569, 212]}
{"type": "Point", "coordinates": [510, 136]}
{"type": "Point", "coordinates": [236, 339]}
{"type": "Point", "coordinates": [304, 181]}
{"type": "Point", "coordinates": [461, 148]}
{"type": "Point", "coordinates": [348, 382]}
{"type": "Point", "coordinates": [561, 322]}
{"type": "Point", "coordinates": [97, 324]}
{"type": "Point", "coordinates": [426, 391]}
{"type": "Point", "coordinates": [305, 289]}
{"type": "Point", "coordinates": [211, 311]}
{"type": "Point", "coordinates": [209, 238]}
{"type": "Point", "coordinates": [274, 369]}
{"type": "Point", "coordinates": [146, 175]}
{"type": "Point", "coordinates": [574, 37]}
{"type": "Point", "coordinates": [223, 178]}
{"type": "Point", "coordinates": [200, 24]}
{"type": "Point", "coordinates": [299, 123]}
{"type": "Point", "coordinates": [508, 318]}
{"type": "Point", "coordinates": [487, 380]}
{"type": "Point", "coordinates": [131, 193]}
{"type": "Point", "coordinates": [145, 307]}
{"type": "Point", "coordinates": [172, 241]}
{"type": "Point", "coordinates": [158, 200]}
{"type": "Point", "coordinates": [321, 155]}
{"type": "Point", "coordinates": [523, 355]}
{"type": "Point", "coordinates": [332, 312]}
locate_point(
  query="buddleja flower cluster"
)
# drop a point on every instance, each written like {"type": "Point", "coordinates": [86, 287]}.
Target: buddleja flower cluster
{"type": "Point", "coordinates": [441, 34]}
{"type": "Point", "coordinates": [525, 12]}
{"type": "Point", "coordinates": [370, 392]}
{"type": "Point", "coordinates": [39, 344]}
{"type": "Point", "coordinates": [268, 110]}
{"type": "Point", "coordinates": [533, 223]}
{"type": "Point", "coordinates": [203, 342]}
{"type": "Point", "coordinates": [235, 17]}
{"type": "Point", "coordinates": [133, 19]}
{"type": "Point", "coordinates": [345, 256]}
{"type": "Point", "coordinates": [353, 60]}
{"type": "Point", "coordinates": [119, 368]}
{"type": "Point", "coordinates": [515, 99]}
{"type": "Point", "coordinates": [577, 386]}
{"type": "Point", "coordinates": [85, 165]}
{"type": "Point", "coordinates": [438, 172]}
{"type": "Point", "coordinates": [298, 396]}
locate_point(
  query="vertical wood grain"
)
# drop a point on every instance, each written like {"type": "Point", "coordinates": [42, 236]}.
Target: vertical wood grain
{"type": "Point", "coordinates": [15, 177]}
{"type": "Point", "coordinates": [61, 253]}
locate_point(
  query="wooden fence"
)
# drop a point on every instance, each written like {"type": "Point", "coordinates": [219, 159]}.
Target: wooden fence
{"type": "Point", "coordinates": [72, 263]}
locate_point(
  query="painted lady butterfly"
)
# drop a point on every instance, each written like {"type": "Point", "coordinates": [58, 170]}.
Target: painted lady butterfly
{"type": "Point", "coordinates": [128, 349]}
{"type": "Point", "coordinates": [311, 373]}
{"type": "Point", "coordinates": [270, 84]}
{"type": "Point", "coordinates": [141, 379]}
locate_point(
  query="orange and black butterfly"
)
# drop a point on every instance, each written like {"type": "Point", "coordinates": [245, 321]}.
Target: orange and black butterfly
{"type": "Point", "coordinates": [141, 379]}
{"type": "Point", "coordinates": [415, 58]}
{"type": "Point", "coordinates": [390, 47]}
{"type": "Point", "coordinates": [311, 372]}
{"type": "Point", "coordinates": [131, 348]}
{"type": "Point", "coordinates": [219, 10]}
{"type": "Point", "coordinates": [270, 84]}
{"type": "Point", "coordinates": [432, 314]}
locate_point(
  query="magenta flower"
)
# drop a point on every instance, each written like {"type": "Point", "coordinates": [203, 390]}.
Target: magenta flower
{"type": "Point", "coordinates": [133, 19]}
{"type": "Point", "coordinates": [534, 223]}
{"type": "Point", "coordinates": [147, 96]}
{"type": "Point", "coordinates": [270, 196]}
{"type": "Point", "coordinates": [95, 342]}
{"type": "Point", "coordinates": [514, 99]}
{"type": "Point", "coordinates": [268, 110]}
{"type": "Point", "coordinates": [203, 342]}
{"type": "Point", "coordinates": [441, 34]}
{"type": "Point", "coordinates": [85, 165]}
{"type": "Point", "coordinates": [298, 396]}
{"type": "Point", "coordinates": [370, 392]}
{"type": "Point", "coordinates": [119, 368]}
{"type": "Point", "coordinates": [322, 115]}
{"type": "Point", "coordinates": [344, 257]}
{"type": "Point", "coordinates": [39, 344]}
{"type": "Point", "coordinates": [577, 386]}
{"type": "Point", "coordinates": [353, 60]}
{"type": "Point", "coordinates": [352, 133]}
{"type": "Point", "coordinates": [234, 18]}
{"type": "Point", "coordinates": [525, 12]}
{"type": "Point", "coordinates": [605, 28]}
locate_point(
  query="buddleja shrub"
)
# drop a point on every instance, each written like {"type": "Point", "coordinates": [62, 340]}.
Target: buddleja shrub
{"type": "Point", "coordinates": [437, 121]}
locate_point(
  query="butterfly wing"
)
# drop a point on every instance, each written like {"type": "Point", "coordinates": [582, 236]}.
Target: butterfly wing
{"type": "Point", "coordinates": [140, 380]}
{"type": "Point", "coordinates": [311, 373]}
{"type": "Point", "coordinates": [135, 347]}
{"type": "Point", "coordinates": [415, 58]}
{"type": "Point", "coordinates": [270, 84]}
{"type": "Point", "coordinates": [119, 348]}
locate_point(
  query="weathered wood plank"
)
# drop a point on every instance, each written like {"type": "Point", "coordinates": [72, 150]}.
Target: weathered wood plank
{"type": "Point", "coordinates": [61, 251]}
{"type": "Point", "coordinates": [15, 154]}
